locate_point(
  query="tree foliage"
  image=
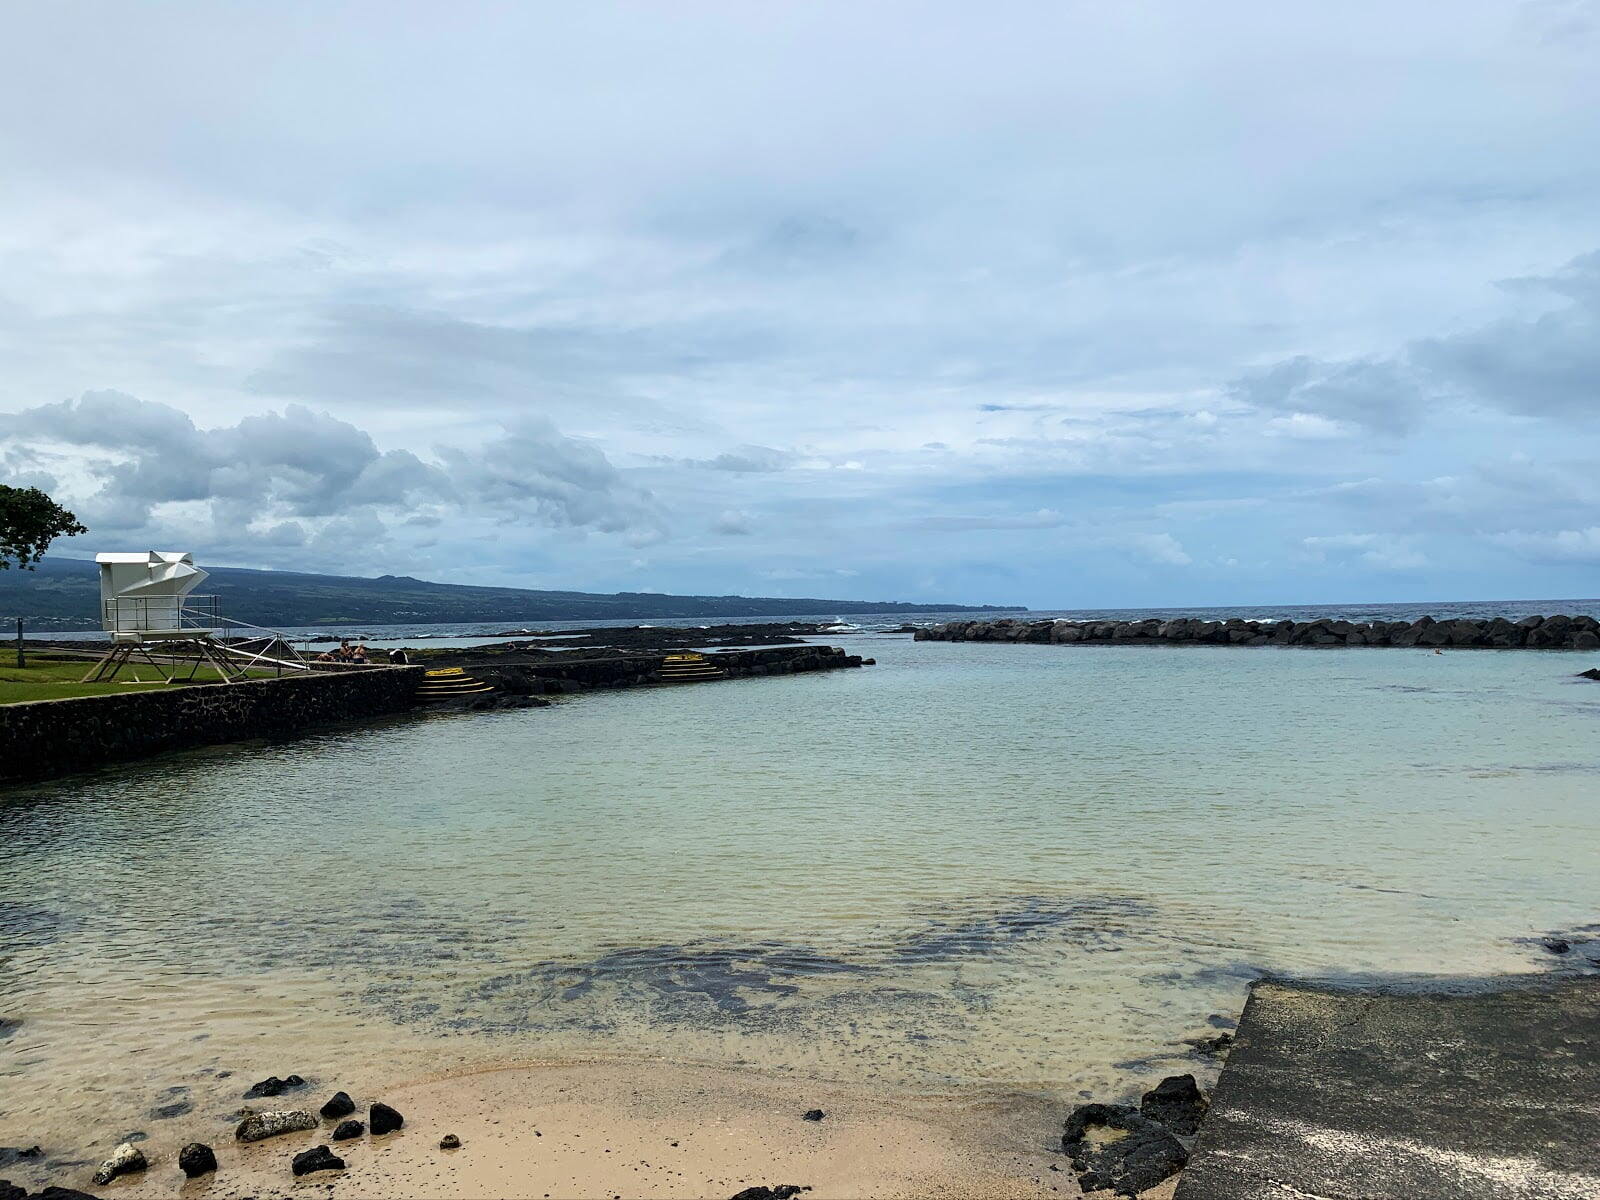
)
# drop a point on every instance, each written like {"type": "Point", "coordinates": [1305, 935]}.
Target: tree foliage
{"type": "Point", "coordinates": [29, 522]}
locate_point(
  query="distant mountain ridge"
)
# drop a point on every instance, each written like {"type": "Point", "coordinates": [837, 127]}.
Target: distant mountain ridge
{"type": "Point", "coordinates": [64, 593]}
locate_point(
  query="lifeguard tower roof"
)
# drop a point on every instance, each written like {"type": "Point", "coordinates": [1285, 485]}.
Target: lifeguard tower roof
{"type": "Point", "coordinates": [142, 593]}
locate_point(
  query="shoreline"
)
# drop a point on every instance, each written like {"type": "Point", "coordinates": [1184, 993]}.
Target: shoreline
{"type": "Point", "coordinates": [603, 1127]}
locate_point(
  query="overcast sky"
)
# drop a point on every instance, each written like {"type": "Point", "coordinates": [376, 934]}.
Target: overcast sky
{"type": "Point", "coordinates": [1060, 304]}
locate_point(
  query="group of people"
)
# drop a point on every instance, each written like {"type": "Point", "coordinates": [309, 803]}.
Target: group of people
{"type": "Point", "coordinates": [356, 653]}
{"type": "Point", "coordinates": [348, 652]}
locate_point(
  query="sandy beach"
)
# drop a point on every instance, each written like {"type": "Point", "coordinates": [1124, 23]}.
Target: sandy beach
{"type": "Point", "coordinates": [587, 1129]}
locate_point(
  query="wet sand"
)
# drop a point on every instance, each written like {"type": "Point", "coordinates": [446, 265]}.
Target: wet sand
{"type": "Point", "coordinates": [580, 1129]}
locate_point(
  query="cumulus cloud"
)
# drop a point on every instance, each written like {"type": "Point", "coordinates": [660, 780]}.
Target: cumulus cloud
{"type": "Point", "coordinates": [1547, 365]}
{"type": "Point", "coordinates": [1581, 546]}
{"type": "Point", "coordinates": [298, 477]}
{"type": "Point", "coordinates": [733, 523]}
{"type": "Point", "coordinates": [1386, 552]}
{"type": "Point", "coordinates": [1373, 393]}
{"type": "Point", "coordinates": [1160, 548]}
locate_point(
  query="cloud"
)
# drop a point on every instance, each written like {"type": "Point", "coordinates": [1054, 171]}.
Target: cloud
{"type": "Point", "coordinates": [1161, 548]}
{"type": "Point", "coordinates": [1321, 396]}
{"type": "Point", "coordinates": [1386, 552]}
{"type": "Point", "coordinates": [1563, 546]}
{"type": "Point", "coordinates": [733, 523]}
{"type": "Point", "coordinates": [533, 470]}
{"type": "Point", "coordinates": [298, 477]}
{"type": "Point", "coordinates": [1547, 365]}
{"type": "Point", "coordinates": [752, 460]}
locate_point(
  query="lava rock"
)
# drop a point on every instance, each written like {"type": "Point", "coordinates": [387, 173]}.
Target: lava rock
{"type": "Point", "coordinates": [273, 1086]}
{"type": "Point", "coordinates": [318, 1158]}
{"type": "Point", "coordinates": [449, 1142]}
{"type": "Point", "coordinates": [260, 1126]}
{"type": "Point", "coordinates": [816, 1114]}
{"type": "Point", "coordinates": [339, 1106]}
{"type": "Point", "coordinates": [383, 1119]}
{"type": "Point", "coordinates": [1145, 1154]}
{"type": "Point", "coordinates": [1557, 945]}
{"type": "Point", "coordinates": [10, 1191]}
{"type": "Point", "coordinates": [125, 1159]}
{"type": "Point", "coordinates": [1177, 1103]}
{"type": "Point", "coordinates": [56, 1192]}
{"type": "Point", "coordinates": [1215, 1047]}
{"type": "Point", "coordinates": [11, 1155]}
{"type": "Point", "coordinates": [346, 1130]}
{"type": "Point", "coordinates": [1591, 673]}
{"type": "Point", "coordinates": [197, 1158]}
{"type": "Point", "coordinates": [760, 1192]}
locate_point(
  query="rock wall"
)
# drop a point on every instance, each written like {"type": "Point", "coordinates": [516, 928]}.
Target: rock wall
{"type": "Point", "coordinates": [53, 737]}
{"type": "Point", "coordinates": [1530, 633]}
{"type": "Point", "coordinates": [582, 674]}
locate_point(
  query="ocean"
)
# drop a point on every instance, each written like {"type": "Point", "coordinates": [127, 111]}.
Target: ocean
{"type": "Point", "coordinates": [996, 869]}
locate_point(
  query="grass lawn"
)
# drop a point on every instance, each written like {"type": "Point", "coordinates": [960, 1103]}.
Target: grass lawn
{"type": "Point", "coordinates": [56, 679]}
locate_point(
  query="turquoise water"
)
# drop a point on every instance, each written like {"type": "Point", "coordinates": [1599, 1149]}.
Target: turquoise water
{"type": "Point", "coordinates": [1001, 867]}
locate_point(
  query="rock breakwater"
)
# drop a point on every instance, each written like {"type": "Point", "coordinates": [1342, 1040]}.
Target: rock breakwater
{"type": "Point", "coordinates": [1558, 632]}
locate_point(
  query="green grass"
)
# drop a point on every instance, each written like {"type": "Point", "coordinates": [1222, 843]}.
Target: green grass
{"type": "Point", "coordinates": [57, 679]}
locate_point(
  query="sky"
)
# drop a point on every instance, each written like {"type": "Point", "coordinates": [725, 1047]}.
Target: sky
{"type": "Point", "coordinates": [1058, 304]}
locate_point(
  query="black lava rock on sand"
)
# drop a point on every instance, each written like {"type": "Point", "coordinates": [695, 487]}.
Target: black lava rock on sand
{"type": "Point", "coordinates": [782, 1192]}
{"type": "Point", "coordinates": [125, 1159]}
{"type": "Point", "coordinates": [1177, 1103]}
{"type": "Point", "coordinates": [260, 1126]}
{"type": "Point", "coordinates": [347, 1130]}
{"type": "Point", "coordinates": [449, 1142]}
{"type": "Point", "coordinates": [816, 1114]}
{"type": "Point", "coordinates": [383, 1119]}
{"type": "Point", "coordinates": [273, 1086]}
{"type": "Point", "coordinates": [10, 1191]}
{"type": "Point", "coordinates": [339, 1106]}
{"type": "Point", "coordinates": [197, 1158]}
{"type": "Point", "coordinates": [1145, 1154]}
{"type": "Point", "coordinates": [318, 1158]}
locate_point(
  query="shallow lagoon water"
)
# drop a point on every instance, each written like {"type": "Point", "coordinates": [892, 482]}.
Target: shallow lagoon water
{"type": "Point", "coordinates": [1013, 868]}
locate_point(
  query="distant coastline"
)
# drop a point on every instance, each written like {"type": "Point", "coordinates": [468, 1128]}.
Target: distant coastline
{"type": "Point", "coordinates": [63, 594]}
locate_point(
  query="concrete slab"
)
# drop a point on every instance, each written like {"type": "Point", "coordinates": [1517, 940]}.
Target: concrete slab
{"type": "Point", "coordinates": [1490, 1093]}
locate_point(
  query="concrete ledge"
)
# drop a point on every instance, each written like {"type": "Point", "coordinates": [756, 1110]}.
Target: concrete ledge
{"type": "Point", "coordinates": [55, 737]}
{"type": "Point", "coordinates": [1333, 1095]}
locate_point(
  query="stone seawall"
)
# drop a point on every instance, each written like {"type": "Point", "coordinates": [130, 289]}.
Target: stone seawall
{"type": "Point", "coordinates": [1530, 633]}
{"type": "Point", "coordinates": [549, 677]}
{"type": "Point", "coordinates": [54, 737]}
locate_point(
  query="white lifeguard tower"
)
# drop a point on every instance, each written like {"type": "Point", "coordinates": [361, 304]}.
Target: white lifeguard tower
{"type": "Point", "coordinates": [146, 600]}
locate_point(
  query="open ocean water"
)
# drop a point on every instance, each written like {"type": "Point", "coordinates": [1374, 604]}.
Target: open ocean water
{"type": "Point", "coordinates": [991, 867]}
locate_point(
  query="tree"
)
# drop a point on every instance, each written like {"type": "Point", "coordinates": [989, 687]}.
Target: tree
{"type": "Point", "coordinates": [29, 522]}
